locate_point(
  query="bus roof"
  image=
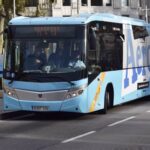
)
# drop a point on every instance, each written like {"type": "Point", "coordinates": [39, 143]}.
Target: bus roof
{"type": "Point", "coordinates": [81, 19]}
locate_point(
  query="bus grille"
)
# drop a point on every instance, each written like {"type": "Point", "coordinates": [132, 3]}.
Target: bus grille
{"type": "Point", "coordinates": [41, 96]}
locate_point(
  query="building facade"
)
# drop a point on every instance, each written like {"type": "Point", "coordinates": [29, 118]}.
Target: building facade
{"type": "Point", "coordinates": [129, 8]}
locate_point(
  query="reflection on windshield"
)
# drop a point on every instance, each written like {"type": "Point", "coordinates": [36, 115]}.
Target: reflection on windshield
{"type": "Point", "coordinates": [47, 56]}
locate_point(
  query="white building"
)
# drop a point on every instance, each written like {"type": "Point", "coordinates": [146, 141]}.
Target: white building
{"type": "Point", "coordinates": [131, 8]}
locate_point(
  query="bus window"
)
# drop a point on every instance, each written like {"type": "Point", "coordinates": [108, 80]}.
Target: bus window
{"type": "Point", "coordinates": [111, 46]}
{"type": "Point", "coordinates": [139, 32]}
{"type": "Point", "coordinates": [107, 53]}
{"type": "Point", "coordinates": [93, 51]}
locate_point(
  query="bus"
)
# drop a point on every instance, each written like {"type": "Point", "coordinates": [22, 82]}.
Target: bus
{"type": "Point", "coordinates": [77, 64]}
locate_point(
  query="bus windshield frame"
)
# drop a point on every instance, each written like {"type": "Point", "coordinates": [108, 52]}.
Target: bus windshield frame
{"type": "Point", "coordinates": [42, 45]}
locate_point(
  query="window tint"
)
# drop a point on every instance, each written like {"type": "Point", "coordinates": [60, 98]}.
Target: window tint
{"type": "Point", "coordinates": [96, 2]}
{"type": "Point", "coordinates": [84, 2]}
{"type": "Point", "coordinates": [66, 2]}
{"type": "Point", "coordinates": [139, 32]}
{"type": "Point", "coordinates": [109, 3]}
{"type": "Point", "coordinates": [30, 3]}
{"type": "Point", "coordinates": [105, 46]}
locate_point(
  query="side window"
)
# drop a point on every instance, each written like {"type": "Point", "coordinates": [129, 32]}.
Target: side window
{"type": "Point", "coordinates": [139, 32]}
{"type": "Point", "coordinates": [105, 46]}
{"type": "Point", "coordinates": [7, 57]}
{"type": "Point", "coordinates": [111, 40]}
{"type": "Point", "coordinates": [105, 52]}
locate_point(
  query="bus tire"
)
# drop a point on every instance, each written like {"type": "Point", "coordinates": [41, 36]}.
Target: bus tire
{"type": "Point", "coordinates": [104, 110]}
{"type": "Point", "coordinates": [108, 98]}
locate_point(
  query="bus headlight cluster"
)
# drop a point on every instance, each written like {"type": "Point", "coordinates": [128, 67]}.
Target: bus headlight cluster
{"type": "Point", "coordinates": [9, 91]}
{"type": "Point", "coordinates": [75, 92]}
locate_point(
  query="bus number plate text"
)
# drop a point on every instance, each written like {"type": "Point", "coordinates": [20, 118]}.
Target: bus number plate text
{"type": "Point", "coordinates": [40, 108]}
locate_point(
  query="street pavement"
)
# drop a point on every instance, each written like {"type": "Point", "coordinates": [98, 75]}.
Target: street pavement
{"type": "Point", "coordinates": [125, 127]}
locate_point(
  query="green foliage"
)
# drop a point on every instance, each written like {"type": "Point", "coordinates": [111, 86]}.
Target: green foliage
{"type": "Point", "coordinates": [8, 7]}
{"type": "Point", "coordinates": [20, 5]}
{"type": "Point", "coordinates": [8, 4]}
{"type": "Point", "coordinates": [0, 2]}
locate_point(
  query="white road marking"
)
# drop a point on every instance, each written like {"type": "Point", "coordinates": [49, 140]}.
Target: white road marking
{"type": "Point", "coordinates": [121, 121]}
{"type": "Point", "coordinates": [79, 136]}
{"type": "Point", "coordinates": [148, 111]}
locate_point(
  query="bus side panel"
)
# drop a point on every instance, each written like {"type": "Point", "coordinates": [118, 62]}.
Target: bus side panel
{"type": "Point", "coordinates": [128, 84]}
{"type": "Point", "coordinates": [97, 88]}
{"type": "Point", "coordinates": [135, 79]}
{"type": "Point", "coordinates": [135, 85]}
{"type": "Point", "coordinates": [122, 94]}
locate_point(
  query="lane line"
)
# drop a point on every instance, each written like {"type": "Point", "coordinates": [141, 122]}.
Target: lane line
{"type": "Point", "coordinates": [148, 111]}
{"type": "Point", "coordinates": [121, 121]}
{"type": "Point", "coordinates": [77, 137]}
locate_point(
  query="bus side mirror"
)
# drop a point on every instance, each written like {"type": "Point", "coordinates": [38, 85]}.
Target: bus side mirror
{"type": "Point", "coordinates": [121, 36]}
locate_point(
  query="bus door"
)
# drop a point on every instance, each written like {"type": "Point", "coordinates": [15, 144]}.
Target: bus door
{"type": "Point", "coordinates": [94, 69]}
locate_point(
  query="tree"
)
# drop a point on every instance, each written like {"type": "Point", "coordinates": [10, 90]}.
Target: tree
{"type": "Point", "coordinates": [6, 13]}
{"type": "Point", "coordinates": [20, 6]}
{"type": "Point", "coordinates": [2, 15]}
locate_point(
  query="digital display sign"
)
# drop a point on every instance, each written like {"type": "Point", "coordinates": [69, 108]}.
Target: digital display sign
{"type": "Point", "coordinates": [45, 31]}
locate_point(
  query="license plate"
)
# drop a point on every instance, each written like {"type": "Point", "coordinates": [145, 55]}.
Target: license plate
{"type": "Point", "coordinates": [40, 108]}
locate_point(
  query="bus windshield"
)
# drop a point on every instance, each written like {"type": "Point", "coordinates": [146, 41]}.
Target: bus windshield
{"type": "Point", "coordinates": [45, 49]}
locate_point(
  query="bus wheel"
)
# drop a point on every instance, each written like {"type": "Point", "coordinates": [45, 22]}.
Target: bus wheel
{"type": "Point", "coordinates": [108, 99]}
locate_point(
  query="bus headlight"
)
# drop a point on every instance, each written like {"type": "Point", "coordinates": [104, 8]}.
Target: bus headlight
{"type": "Point", "coordinates": [75, 92]}
{"type": "Point", "coordinates": [9, 91]}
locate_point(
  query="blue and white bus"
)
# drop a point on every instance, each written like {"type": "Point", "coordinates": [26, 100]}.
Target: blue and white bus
{"type": "Point", "coordinates": [75, 64]}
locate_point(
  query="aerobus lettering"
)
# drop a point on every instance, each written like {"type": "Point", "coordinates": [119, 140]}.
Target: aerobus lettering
{"type": "Point", "coordinates": [142, 54]}
{"type": "Point", "coordinates": [130, 62]}
{"type": "Point", "coordinates": [145, 59]}
{"type": "Point", "coordinates": [141, 58]}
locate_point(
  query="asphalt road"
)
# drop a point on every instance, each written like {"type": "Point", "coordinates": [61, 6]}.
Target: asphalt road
{"type": "Point", "coordinates": [125, 127]}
